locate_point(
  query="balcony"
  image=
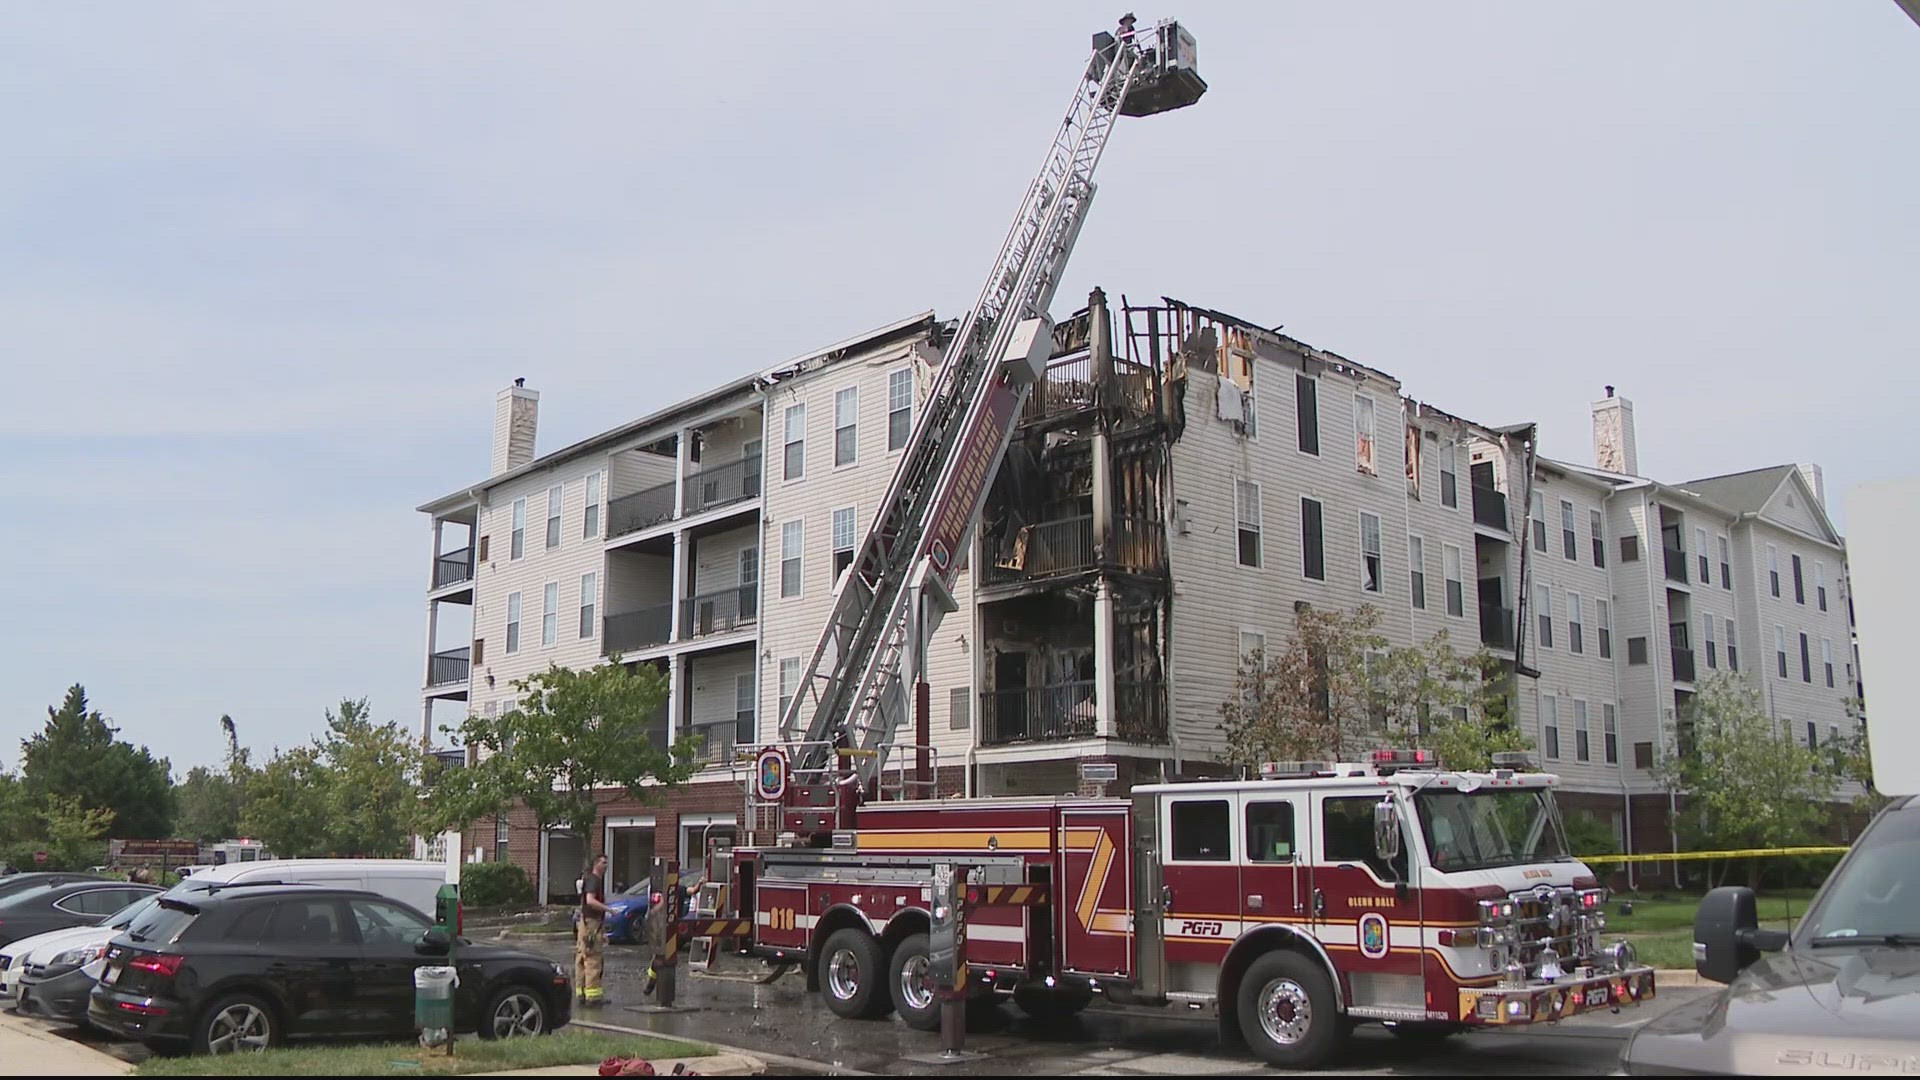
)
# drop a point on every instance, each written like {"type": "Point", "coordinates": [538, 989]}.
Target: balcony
{"type": "Point", "coordinates": [1676, 564]}
{"type": "Point", "coordinates": [631, 513]}
{"type": "Point", "coordinates": [1490, 509]}
{"type": "Point", "coordinates": [719, 612]}
{"type": "Point", "coordinates": [717, 742]}
{"type": "Point", "coordinates": [1140, 712]}
{"type": "Point", "coordinates": [1037, 713]}
{"type": "Point", "coordinates": [448, 668]}
{"type": "Point", "coordinates": [1065, 546]}
{"type": "Point", "coordinates": [1682, 664]}
{"type": "Point", "coordinates": [721, 485]}
{"type": "Point", "coordinates": [640, 629]}
{"type": "Point", "coordinates": [1496, 626]}
{"type": "Point", "coordinates": [1067, 388]}
{"type": "Point", "coordinates": [453, 568]}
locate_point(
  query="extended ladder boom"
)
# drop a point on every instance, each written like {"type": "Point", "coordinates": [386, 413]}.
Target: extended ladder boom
{"type": "Point", "coordinates": [850, 694]}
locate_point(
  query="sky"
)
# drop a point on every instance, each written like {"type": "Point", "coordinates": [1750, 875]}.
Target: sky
{"type": "Point", "coordinates": [263, 269]}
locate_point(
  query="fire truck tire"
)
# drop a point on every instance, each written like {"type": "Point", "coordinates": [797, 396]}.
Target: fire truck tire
{"type": "Point", "coordinates": [852, 978]}
{"type": "Point", "coordinates": [1287, 1011]}
{"type": "Point", "coordinates": [1042, 1002]}
{"type": "Point", "coordinates": [907, 979]}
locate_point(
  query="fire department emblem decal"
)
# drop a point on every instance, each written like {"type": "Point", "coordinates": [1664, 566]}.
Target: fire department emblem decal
{"type": "Point", "coordinates": [1373, 935]}
{"type": "Point", "coordinates": [937, 551]}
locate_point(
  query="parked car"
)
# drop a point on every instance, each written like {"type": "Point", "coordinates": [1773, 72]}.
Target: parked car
{"type": "Point", "coordinates": [14, 883]}
{"type": "Point", "coordinates": [51, 974]}
{"type": "Point", "coordinates": [245, 967]}
{"type": "Point", "coordinates": [412, 882]}
{"type": "Point", "coordinates": [1841, 993]}
{"type": "Point", "coordinates": [627, 909]}
{"type": "Point", "coordinates": [57, 905]}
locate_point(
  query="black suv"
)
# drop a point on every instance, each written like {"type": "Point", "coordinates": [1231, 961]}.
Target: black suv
{"type": "Point", "coordinates": [249, 966]}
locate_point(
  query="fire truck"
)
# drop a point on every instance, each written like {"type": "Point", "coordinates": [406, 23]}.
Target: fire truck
{"type": "Point", "coordinates": [1289, 906]}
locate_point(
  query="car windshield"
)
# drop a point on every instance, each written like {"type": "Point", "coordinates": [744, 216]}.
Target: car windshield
{"type": "Point", "coordinates": [1875, 892]}
{"type": "Point", "coordinates": [1489, 827]}
{"type": "Point", "coordinates": [638, 888]}
{"type": "Point", "coordinates": [161, 923]}
{"type": "Point", "coordinates": [123, 918]}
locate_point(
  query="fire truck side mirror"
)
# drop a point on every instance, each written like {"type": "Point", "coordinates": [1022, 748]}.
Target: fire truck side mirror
{"type": "Point", "coordinates": [1386, 830]}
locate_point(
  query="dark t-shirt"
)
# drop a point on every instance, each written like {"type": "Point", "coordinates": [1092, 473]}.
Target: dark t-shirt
{"type": "Point", "coordinates": [591, 885]}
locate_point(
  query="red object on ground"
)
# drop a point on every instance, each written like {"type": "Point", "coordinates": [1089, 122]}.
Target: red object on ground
{"type": "Point", "coordinates": [637, 1067]}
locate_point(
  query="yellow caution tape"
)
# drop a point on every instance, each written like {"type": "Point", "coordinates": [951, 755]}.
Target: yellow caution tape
{"type": "Point", "coordinates": [1678, 856]}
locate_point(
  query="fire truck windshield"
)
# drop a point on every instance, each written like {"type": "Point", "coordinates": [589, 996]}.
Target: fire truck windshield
{"type": "Point", "coordinates": [1488, 827]}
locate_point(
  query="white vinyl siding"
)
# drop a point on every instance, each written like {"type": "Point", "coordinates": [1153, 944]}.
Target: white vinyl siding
{"type": "Point", "coordinates": [513, 623]}
{"type": "Point", "coordinates": [899, 408]}
{"type": "Point", "coordinates": [846, 426]}
{"type": "Point", "coordinates": [794, 461]}
{"type": "Point", "coordinates": [550, 614]}
{"type": "Point", "coordinates": [793, 541]}
{"type": "Point", "coordinates": [589, 596]}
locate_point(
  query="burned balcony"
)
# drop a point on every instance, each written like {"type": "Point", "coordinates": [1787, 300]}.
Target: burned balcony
{"type": "Point", "coordinates": [1037, 713]}
{"type": "Point", "coordinates": [639, 629]}
{"type": "Point", "coordinates": [453, 567]}
{"type": "Point", "coordinates": [631, 513]}
{"type": "Point", "coordinates": [1063, 546]}
{"type": "Point", "coordinates": [448, 668]}
{"type": "Point", "coordinates": [1140, 712]}
{"type": "Point", "coordinates": [1068, 388]}
{"type": "Point", "coordinates": [720, 612]}
{"type": "Point", "coordinates": [1489, 508]}
{"type": "Point", "coordinates": [721, 485]}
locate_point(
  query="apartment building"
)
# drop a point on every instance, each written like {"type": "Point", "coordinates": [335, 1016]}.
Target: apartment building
{"type": "Point", "coordinates": [1181, 484]}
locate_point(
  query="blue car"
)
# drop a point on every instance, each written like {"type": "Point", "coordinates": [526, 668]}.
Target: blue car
{"type": "Point", "coordinates": [627, 909]}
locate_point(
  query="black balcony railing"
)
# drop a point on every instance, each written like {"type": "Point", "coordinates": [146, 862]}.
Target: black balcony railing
{"type": "Point", "coordinates": [1496, 626]}
{"type": "Point", "coordinates": [1139, 544]}
{"type": "Point", "coordinates": [716, 742]}
{"type": "Point", "coordinates": [448, 668]}
{"type": "Point", "coordinates": [1676, 565]}
{"type": "Point", "coordinates": [733, 482]}
{"type": "Point", "coordinates": [1066, 545]}
{"type": "Point", "coordinates": [639, 629]}
{"type": "Point", "coordinates": [1068, 388]}
{"type": "Point", "coordinates": [453, 567]}
{"type": "Point", "coordinates": [719, 612]}
{"type": "Point", "coordinates": [1140, 712]}
{"type": "Point", "coordinates": [1682, 664]}
{"type": "Point", "coordinates": [1490, 508]}
{"type": "Point", "coordinates": [1037, 713]}
{"type": "Point", "coordinates": [631, 513]}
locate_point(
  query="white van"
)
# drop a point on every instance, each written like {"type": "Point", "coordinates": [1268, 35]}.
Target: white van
{"type": "Point", "coordinates": [410, 881]}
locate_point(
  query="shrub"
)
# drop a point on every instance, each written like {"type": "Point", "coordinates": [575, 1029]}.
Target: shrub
{"type": "Point", "coordinates": [487, 883]}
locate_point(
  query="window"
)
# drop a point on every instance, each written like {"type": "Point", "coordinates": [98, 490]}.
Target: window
{"type": "Point", "coordinates": [899, 407]}
{"type": "Point", "coordinates": [1581, 748]}
{"type": "Point", "coordinates": [793, 539]}
{"type": "Point", "coordinates": [1598, 532]}
{"type": "Point", "coordinates": [1820, 584]}
{"type": "Point", "coordinates": [1363, 433]}
{"type": "Point", "coordinates": [385, 924]}
{"type": "Point", "coordinates": [743, 705]}
{"type": "Point", "coordinates": [1576, 638]}
{"type": "Point", "coordinates": [1609, 734]}
{"type": "Point", "coordinates": [513, 623]}
{"type": "Point", "coordinates": [1643, 755]}
{"type": "Point", "coordinates": [1773, 569]}
{"type": "Point", "coordinates": [550, 614]}
{"type": "Point", "coordinates": [789, 680]}
{"type": "Point", "coordinates": [1202, 830]}
{"type": "Point", "coordinates": [1543, 608]}
{"type": "Point", "coordinates": [795, 465]}
{"type": "Point", "coordinates": [1636, 650]}
{"type": "Point", "coordinates": [1417, 561]}
{"type": "Point", "coordinates": [846, 426]}
{"type": "Point", "coordinates": [1306, 408]}
{"type": "Point", "coordinates": [590, 519]}
{"type": "Point", "coordinates": [1550, 725]}
{"type": "Point", "coordinates": [1371, 568]}
{"type": "Point", "coordinates": [588, 594]}
{"type": "Point", "coordinates": [1456, 586]}
{"type": "Point", "coordinates": [500, 829]}
{"type": "Point", "coordinates": [843, 533]}
{"type": "Point", "coordinates": [519, 528]}
{"type": "Point", "coordinates": [1630, 548]}
{"type": "Point", "coordinates": [1569, 540]}
{"type": "Point", "coordinates": [959, 708]}
{"type": "Point", "coordinates": [1313, 556]}
{"type": "Point", "coordinates": [1826, 658]}
{"type": "Point", "coordinates": [1700, 552]}
{"type": "Point", "coordinates": [1538, 512]}
{"type": "Point", "coordinates": [479, 651]}
{"type": "Point", "coordinates": [1799, 586]}
{"type": "Point", "coordinates": [1253, 651]}
{"type": "Point", "coordinates": [1603, 626]}
{"type": "Point", "coordinates": [1706, 624]}
{"type": "Point", "coordinates": [749, 569]}
{"type": "Point", "coordinates": [309, 922]}
{"type": "Point", "coordinates": [1726, 565]}
{"type": "Point", "coordinates": [1270, 832]}
{"type": "Point", "coordinates": [1346, 828]}
{"type": "Point", "coordinates": [1450, 475]}
{"type": "Point", "coordinates": [1813, 739]}
{"type": "Point", "coordinates": [1733, 649]}
{"type": "Point", "coordinates": [482, 553]}
{"type": "Point", "coordinates": [1780, 648]}
{"type": "Point", "coordinates": [1246, 503]}
{"type": "Point", "coordinates": [1806, 661]}
{"type": "Point", "coordinates": [555, 495]}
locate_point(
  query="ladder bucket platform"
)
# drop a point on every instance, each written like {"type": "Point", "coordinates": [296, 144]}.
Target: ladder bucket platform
{"type": "Point", "coordinates": [1168, 77]}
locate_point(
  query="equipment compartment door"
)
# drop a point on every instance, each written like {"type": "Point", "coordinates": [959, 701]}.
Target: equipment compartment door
{"type": "Point", "coordinates": [1363, 907]}
{"type": "Point", "coordinates": [1093, 918]}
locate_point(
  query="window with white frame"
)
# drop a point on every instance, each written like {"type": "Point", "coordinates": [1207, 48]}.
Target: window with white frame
{"type": "Point", "coordinates": [1726, 564]}
{"type": "Point", "coordinates": [1450, 474]}
{"type": "Point", "coordinates": [1609, 733]}
{"type": "Point", "coordinates": [1700, 553]}
{"type": "Point", "coordinates": [1826, 658]}
{"type": "Point", "coordinates": [899, 407]}
{"type": "Point", "coordinates": [1550, 725]}
{"type": "Point", "coordinates": [1603, 626]}
{"type": "Point", "coordinates": [1450, 575]}
{"type": "Point", "coordinates": [1371, 564]}
{"type": "Point", "coordinates": [1253, 651]}
{"type": "Point", "coordinates": [1306, 408]}
{"type": "Point", "coordinates": [1582, 747]}
{"type": "Point", "coordinates": [1773, 569]}
{"type": "Point", "coordinates": [843, 534]}
{"type": "Point", "coordinates": [1313, 552]}
{"type": "Point", "coordinates": [1576, 624]}
{"type": "Point", "coordinates": [1733, 649]}
{"type": "Point", "coordinates": [555, 497]}
{"type": "Point", "coordinates": [789, 681]}
{"type": "Point", "coordinates": [589, 597]}
{"type": "Point", "coordinates": [1706, 625]}
{"type": "Point", "coordinates": [846, 426]}
{"type": "Point", "coordinates": [795, 464]}
{"type": "Point", "coordinates": [749, 568]}
{"type": "Point", "coordinates": [793, 540]}
{"type": "Point", "coordinates": [1599, 532]}
{"type": "Point", "coordinates": [550, 614]}
{"type": "Point", "coordinates": [744, 694]}
{"type": "Point", "coordinates": [1569, 539]}
{"type": "Point", "coordinates": [1780, 648]}
{"type": "Point", "coordinates": [1363, 439]}
{"type": "Point", "coordinates": [590, 517]}
{"type": "Point", "coordinates": [519, 528]}
{"type": "Point", "coordinates": [513, 623]}
{"type": "Point", "coordinates": [1417, 562]}
{"type": "Point", "coordinates": [1820, 583]}
{"type": "Point", "coordinates": [1539, 513]}
{"type": "Point", "coordinates": [1543, 610]}
{"type": "Point", "coordinates": [1246, 501]}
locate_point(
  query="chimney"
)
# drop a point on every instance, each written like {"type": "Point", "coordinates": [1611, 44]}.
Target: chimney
{"type": "Point", "coordinates": [1816, 480]}
{"type": "Point", "coordinates": [1614, 449]}
{"type": "Point", "coordinates": [515, 415]}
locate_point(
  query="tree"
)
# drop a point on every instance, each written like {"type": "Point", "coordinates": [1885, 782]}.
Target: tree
{"type": "Point", "coordinates": [210, 801]}
{"type": "Point", "coordinates": [73, 832]}
{"type": "Point", "coordinates": [1851, 759]}
{"type": "Point", "coordinates": [16, 817]}
{"type": "Point", "coordinates": [79, 755]}
{"type": "Point", "coordinates": [1747, 783]}
{"type": "Point", "coordinates": [578, 739]}
{"type": "Point", "coordinates": [352, 791]}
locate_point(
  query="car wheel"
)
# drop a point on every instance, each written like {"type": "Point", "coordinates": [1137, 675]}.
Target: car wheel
{"type": "Point", "coordinates": [514, 1011]}
{"type": "Point", "coordinates": [1287, 1011]}
{"type": "Point", "coordinates": [850, 976]}
{"type": "Point", "coordinates": [239, 1023]}
{"type": "Point", "coordinates": [910, 982]}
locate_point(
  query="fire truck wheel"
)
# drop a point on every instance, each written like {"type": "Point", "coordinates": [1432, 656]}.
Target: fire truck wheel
{"type": "Point", "coordinates": [850, 976]}
{"type": "Point", "coordinates": [1042, 1002]}
{"type": "Point", "coordinates": [1287, 1011]}
{"type": "Point", "coordinates": [909, 980]}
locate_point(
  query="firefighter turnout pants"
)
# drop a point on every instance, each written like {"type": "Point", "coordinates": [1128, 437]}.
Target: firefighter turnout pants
{"type": "Point", "coordinates": [589, 940]}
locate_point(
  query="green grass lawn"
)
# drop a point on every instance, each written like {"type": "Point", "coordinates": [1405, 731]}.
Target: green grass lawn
{"type": "Point", "coordinates": [1662, 929]}
{"type": "Point", "coordinates": [408, 1059]}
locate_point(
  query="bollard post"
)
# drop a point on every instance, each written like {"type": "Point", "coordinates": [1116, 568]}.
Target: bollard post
{"type": "Point", "coordinates": [669, 959]}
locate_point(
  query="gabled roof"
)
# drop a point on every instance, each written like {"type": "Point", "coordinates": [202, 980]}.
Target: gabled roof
{"type": "Point", "coordinates": [1743, 492]}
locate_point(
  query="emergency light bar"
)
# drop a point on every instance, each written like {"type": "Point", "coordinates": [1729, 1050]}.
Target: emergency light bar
{"type": "Point", "coordinates": [1405, 758]}
{"type": "Point", "coordinates": [1290, 770]}
{"type": "Point", "coordinates": [1518, 760]}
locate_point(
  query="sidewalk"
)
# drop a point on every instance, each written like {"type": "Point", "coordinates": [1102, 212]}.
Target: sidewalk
{"type": "Point", "coordinates": [28, 1050]}
{"type": "Point", "coordinates": [715, 1065]}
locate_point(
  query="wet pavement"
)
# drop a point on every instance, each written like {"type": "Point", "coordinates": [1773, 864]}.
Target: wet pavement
{"type": "Point", "coordinates": [782, 1018]}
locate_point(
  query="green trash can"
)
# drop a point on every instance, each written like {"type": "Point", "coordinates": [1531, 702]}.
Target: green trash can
{"type": "Point", "coordinates": [433, 999]}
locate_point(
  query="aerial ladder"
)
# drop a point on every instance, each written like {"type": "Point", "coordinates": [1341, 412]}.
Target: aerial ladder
{"type": "Point", "coordinates": [852, 695]}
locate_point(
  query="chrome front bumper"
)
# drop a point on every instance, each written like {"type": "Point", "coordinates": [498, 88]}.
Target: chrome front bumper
{"type": "Point", "coordinates": [1544, 1002]}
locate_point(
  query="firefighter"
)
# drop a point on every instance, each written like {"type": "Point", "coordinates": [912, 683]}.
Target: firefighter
{"type": "Point", "coordinates": [589, 936]}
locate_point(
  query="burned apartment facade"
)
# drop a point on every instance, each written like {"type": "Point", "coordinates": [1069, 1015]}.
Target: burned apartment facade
{"type": "Point", "coordinates": [1180, 484]}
